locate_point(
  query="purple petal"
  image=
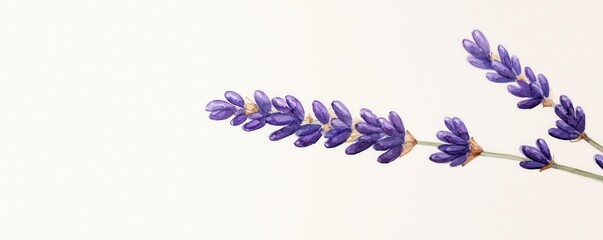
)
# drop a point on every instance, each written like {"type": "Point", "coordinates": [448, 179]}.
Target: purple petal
{"type": "Point", "coordinates": [474, 50]}
{"type": "Point", "coordinates": [321, 112]}
{"type": "Point", "coordinates": [566, 103]}
{"type": "Point", "coordinates": [536, 90]}
{"type": "Point", "coordinates": [544, 85]}
{"type": "Point", "coordinates": [342, 112]}
{"type": "Point", "coordinates": [580, 119]}
{"type": "Point", "coordinates": [480, 63]}
{"type": "Point", "coordinates": [222, 114]}
{"type": "Point", "coordinates": [280, 119]}
{"type": "Point", "coordinates": [387, 143]}
{"type": "Point", "coordinates": [332, 132]}
{"type": "Point", "coordinates": [369, 117]}
{"type": "Point", "coordinates": [395, 119]}
{"type": "Point", "coordinates": [529, 104]}
{"type": "Point", "coordinates": [503, 70]}
{"type": "Point", "coordinates": [451, 138]}
{"type": "Point", "coordinates": [599, 160]}
{"type": "Point", "coordinates": [338, 124]}
{"type": "Point", "coordinates": [441, 157]}
{"type": "Point", "coordinates": [284, 132]}
{"type": "Point", "coordinates": [504, 56]}
{"type": "Point", "coordinates": [280, 104]}
{"type": "Point", "coordinates": [460, 129]}
{"type": "Point", "coordinates": [544, 148]}
{"type": "Point", "coordinates": [453, 149]}
{"type": "Point", "coordinates": [560, 134]}
{"type": "Point", "coordinates": [262, 100]}
{"type": "Point", "coordinates": [254, 124]}
{"type": "Point", "coordinates": [518, 91]}
{"type": "Point", "coordinates": [460, 159]}
{"type": "Point", "coordinates": [358, 147]}
{"type": "Point", "coordinates": [497, 78]}
{"type": "Point", "coordinates": [530, 74]}
{"type": "Point", "coordinates": [481, 40]}
{"type": "Point", "coordinates": [366, 128]}
{"type": "Point", "coordinates": [388, 128]}
{"type": "Point", "coordinates": [308, 129]}
{"type": "Point", "coordinates": [534, 154]}
{"type": "Point", "coordinates": [338, 139]}
{"type": "Point", "coordinates": [449, 124]}
{"type": "Point", "coordinates": [516, 65]}
{"type": "Point", "coordinates": [390, 155]}
{"type": "Point", "coordinates": [234, 98]}
{"type": "Point", "coordinates": [531, 165]}
{"type": "Point", "coordinates": [216, 105]}
{"type": "Point", "coordinates": [565, 127]}
{"type": "Point", "coordinates": [308, 140]}
{"type": "Point", "coordinates": [561, 112]}
{"type": "Point", "coordinates": [296, 107]}
{"type": "Point", "coordinates": [238, 119]}
{"type": "Point", "coordinates": [369, 138]}
{"type": "Point", "coordinates": [259, 115]}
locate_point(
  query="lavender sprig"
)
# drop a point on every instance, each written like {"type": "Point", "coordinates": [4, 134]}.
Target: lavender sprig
{"type": "Point", "coordinates": [507, 69]}
{"type": "Point", "coordinates": [388, 135]}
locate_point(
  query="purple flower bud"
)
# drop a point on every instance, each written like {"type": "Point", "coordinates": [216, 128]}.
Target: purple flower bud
{"type": "Point", "coordinates": [307, 129]}
{"type": "Point", "coordinates": [254, 124]}
{"type": "Point", "coordinates": [480, 63]}
{"type": "Point", "coordinates": [387, 143]}
{"type": "Point", "coordinates": [234, 98]}
{"type": "Point", "coordinates": [390, 155]}
{"type": "Point", "coordinates": [238, 119]}
{"type": "Point", "coordinates": [497, 78]}
{"type": "Point", "coordinates": [284, 132]}
{"type": "Point", "coordinates": [369, 117]}
{"type": "Point", "coordinates": [308, 140]}
{"type": "Point", "coordinates": [222, 114]}
{"type": "Point", "coordinates": [216, 105]}
{"type": "Point", "coordinates": [280, 119]}
{"type": "Point", "coordinates": [338, 137]}
{"type": "Point", "coordinates": [280, 104]}
{"type": "Point", "coordinates": [342, 112]}
{"type": "Point", "coordinates": [321, 112]}
{"type": "Point", "coordinates": [296, 107]}
{"type": "Point", "coordinates": [262, 100]}
{"type": "Point", "coordinates": [481, 40]}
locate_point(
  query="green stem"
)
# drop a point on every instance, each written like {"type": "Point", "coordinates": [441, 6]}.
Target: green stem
{"type": "Point", "coordinates": [557, 166]}
{"type": "Point", "coordinates": [594, 144]}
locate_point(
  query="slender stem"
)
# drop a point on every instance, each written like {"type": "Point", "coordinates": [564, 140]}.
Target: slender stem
{"type": "Point", "coordinates": [578, 172]}
{"type": "Point", "coordinates": [557, 166]}
{"type": "Point", "coordinates": [593, 143]}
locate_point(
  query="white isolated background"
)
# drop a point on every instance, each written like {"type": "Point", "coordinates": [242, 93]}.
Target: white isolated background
{"type": "Point", "coordinates": [103, 133]}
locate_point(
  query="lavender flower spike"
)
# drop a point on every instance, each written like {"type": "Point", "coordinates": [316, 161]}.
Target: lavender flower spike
{"type": "Point", "coordinates": [540, 158]}
{"type": "Point", "coordinates": [572, 123]}
{"type": "Point", "coordinates": [599, 160]}
{"type": "Point", "coordinates": [460, 148]}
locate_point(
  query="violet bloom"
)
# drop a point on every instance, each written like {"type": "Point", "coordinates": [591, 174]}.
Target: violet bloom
{"type": "Point", "coordinates": [394, 138]}
{"type": "Point", "coordinates": [479, 50]}
{"type": "Point", "coordinates": [221, 110]}
{"type": "Point", "coordinates": [370, 131]}
{"type": "Point", "coordinates": [536, 90]}
{"type": "Point", "coordinates": [341, 126]}
{"type": "Point", "coordinates": [460, 148]}
{"type": "Point", "coordinates": [599, 160]}
{"type": "Point", "coordinates": [257, 111]}
{"type": "Point", "coordinates": [290, 115]}
{"type": "Point", "coordinates": [508, 69]}
{"type": "Point", "coordinates": [310, 133]}
{"type": "Point", "coordinates": [540, 158]}
{"type": "Point", "coordinates": [572, 123]}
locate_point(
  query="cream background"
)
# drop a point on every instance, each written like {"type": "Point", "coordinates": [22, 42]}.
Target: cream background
{"type": "Point", "coordinates": [103, 133]}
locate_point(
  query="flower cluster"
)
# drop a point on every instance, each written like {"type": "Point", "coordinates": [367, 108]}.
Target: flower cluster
{"type": "Point", "coordinates": [572, 123]}
{"type": "Point", "coordinates": [337, 126]}
{"type": "Point", "coordinates": [540, 158]}
{"type": "Point", "coordinates": [459, 149]}
{"type": "Point", "coordinates": [507, 69]}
